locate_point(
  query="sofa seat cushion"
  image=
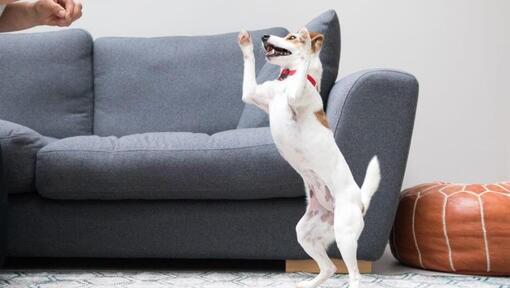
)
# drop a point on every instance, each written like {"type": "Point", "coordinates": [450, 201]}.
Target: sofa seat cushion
{"type": "Point", "coordinates": [234, 164]}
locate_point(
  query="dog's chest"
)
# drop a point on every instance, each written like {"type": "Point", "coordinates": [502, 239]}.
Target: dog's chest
{"type": "Point", "coordinates": [287, 129]}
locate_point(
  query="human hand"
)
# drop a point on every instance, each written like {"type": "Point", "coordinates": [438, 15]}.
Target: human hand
{"type": "Point", "coordinates": [56, 12]}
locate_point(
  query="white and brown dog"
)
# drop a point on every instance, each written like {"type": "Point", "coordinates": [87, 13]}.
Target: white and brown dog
{"type": "Point", "coordinates": [336, 204]}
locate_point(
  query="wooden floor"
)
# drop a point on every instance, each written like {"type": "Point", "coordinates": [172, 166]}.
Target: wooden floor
{"type": "Point", "coordinates": [311, 267]}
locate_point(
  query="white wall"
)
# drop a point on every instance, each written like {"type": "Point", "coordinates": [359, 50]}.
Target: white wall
{"type": "Point", "coordinates": [458, 49]}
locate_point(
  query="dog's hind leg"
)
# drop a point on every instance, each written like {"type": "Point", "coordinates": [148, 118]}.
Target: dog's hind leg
{"type": "Point", "coordinates": [348, 225]}
{"type": "Point", "coordinates": [315, 234]}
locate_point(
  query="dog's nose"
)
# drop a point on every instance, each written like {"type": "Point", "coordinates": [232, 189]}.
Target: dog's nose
{"type": "Point", "coordinates": [265, 37]}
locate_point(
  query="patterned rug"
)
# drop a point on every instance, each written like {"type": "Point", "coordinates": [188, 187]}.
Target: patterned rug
{"type": "Point", "coordinates": [104, 279]}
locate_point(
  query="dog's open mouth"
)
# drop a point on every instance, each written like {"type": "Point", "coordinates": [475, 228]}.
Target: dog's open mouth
{"type": "Point", "coordinates": [273, 51]}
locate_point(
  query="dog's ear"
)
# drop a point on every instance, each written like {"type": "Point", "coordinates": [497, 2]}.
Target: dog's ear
{"type": "Point", "coordinates": [304, 35]}
{"type": "Point", "coordinates": [317, 41]}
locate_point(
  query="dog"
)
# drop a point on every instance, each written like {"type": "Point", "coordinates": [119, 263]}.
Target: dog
{"type": "Point", "coordinates": [300, 130]}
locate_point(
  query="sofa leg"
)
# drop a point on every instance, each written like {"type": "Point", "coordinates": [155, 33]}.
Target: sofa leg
{"type": "Point", "coordinates": [311, 267]}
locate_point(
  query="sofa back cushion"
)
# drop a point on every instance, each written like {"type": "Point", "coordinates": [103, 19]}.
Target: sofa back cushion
{"type": "Point", "coordinates": [181, 83]}
{"type": "Point", "coordinates": [46, 82]}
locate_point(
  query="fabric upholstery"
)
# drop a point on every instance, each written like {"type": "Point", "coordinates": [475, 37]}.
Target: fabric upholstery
{"type": "Point", "coordinates": [46, 81]}
{"type": "Point", "coordinates": [172, 165]}
{"type": "Point", "coordinates": [327, 24]}
{"type": "Point", "coordinates": [190, 84]}
{"type": "Point", "coordinates": [372, 113]}
{"type": "Point", "coordinates": [3, 213]}
{"type": "Point", "coordinates": [20, 146]}
{"type": "Point", "coordinates": [174, 229]}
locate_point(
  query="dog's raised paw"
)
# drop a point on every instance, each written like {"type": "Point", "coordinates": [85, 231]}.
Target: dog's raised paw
{"type": "Point", "coordinates": [244, 38]}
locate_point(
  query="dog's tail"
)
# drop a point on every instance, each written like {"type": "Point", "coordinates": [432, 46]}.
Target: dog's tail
{"type": "Point", "coordinates": [370, 183]}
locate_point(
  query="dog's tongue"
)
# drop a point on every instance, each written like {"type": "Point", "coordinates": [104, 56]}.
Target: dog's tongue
{"type": "Point", "coordinates": [270, 50]}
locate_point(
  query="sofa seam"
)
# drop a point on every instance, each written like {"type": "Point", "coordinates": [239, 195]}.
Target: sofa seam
{"type": "Point", "coordinates": [93, 84]}
{"type": "Point", "coordinates": [20, 135]}
{"type": "Point", "coordinates": [204, 190]}
{"type": "Point", "coordinates": [156, 150]}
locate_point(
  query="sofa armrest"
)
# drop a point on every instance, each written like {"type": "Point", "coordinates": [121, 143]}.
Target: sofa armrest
{"type": "Point", "coordinates": [20, 145]}
{"type": "Point", "coordinates": [372, 113]}
{"type": "Point", "coordinates": [3, 214]}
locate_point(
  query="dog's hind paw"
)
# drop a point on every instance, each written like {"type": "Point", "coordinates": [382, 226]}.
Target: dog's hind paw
{"type": "Point", "coordinates": [354, 283]}
{"type": "Point", "coordinates": [306, 284]}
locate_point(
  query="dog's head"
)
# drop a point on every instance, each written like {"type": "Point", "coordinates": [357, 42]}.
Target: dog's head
{"type": "Point", "coordinates": [291, 49]}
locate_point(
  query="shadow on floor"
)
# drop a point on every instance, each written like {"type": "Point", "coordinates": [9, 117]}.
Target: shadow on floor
{"type": "Point", "coordinates": [142, 264]}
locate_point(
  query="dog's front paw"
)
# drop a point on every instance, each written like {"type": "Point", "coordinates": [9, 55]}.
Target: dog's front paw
{"type": "Point", "coordinates": [246, 44]}
{"type": "Point", "coordinates": [244, 39]}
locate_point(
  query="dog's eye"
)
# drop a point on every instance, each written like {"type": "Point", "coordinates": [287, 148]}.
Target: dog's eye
{"type": "Point", "coordinates": [291, 37]}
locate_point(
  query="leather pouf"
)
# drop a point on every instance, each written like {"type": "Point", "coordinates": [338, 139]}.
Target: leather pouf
{"type": "Point", "coordinates": [454, 228]}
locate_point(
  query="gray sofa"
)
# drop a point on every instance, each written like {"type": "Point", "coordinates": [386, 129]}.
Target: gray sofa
{"type": "Point", "coordinates": [142, 147]}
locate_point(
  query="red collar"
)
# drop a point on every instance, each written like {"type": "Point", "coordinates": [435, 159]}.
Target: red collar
{"type": "Point", "coordinates": [287, 72]}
